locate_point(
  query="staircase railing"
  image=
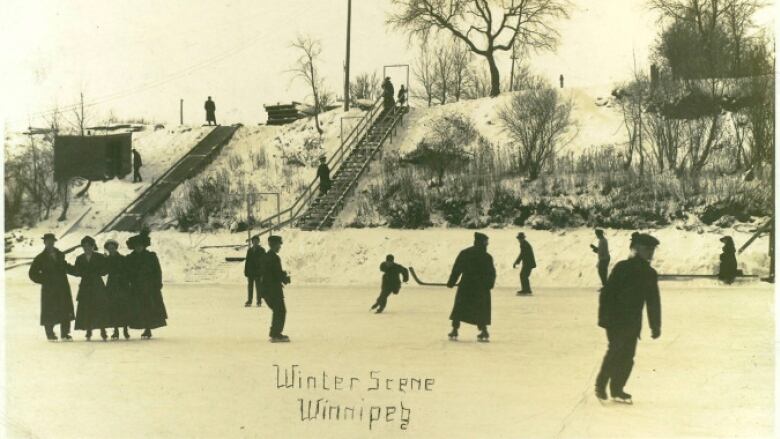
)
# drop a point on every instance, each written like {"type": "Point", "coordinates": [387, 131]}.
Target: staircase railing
{"type": "Point", "coordinates": [348, 143]}
{"type": "Point", "coordinates": [397, 114]}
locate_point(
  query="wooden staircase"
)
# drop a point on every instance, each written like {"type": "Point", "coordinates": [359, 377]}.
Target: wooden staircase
{"type": "Point", "coordinates": [324, 209]}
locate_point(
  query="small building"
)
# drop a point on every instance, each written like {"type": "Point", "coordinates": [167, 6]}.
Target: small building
{"type": "Point", "coordinates": [281, 114]}
{"type": "Point", "coordinates": [94, 158]}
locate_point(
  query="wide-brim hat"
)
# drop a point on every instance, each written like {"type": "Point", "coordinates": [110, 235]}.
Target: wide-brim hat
{"type": "Point", "coordinates": [520, 235]}
{"type": "Point", "coordinates": [644, 239]}
{"type": "Point", "coordinates": [274, 239]}
{"type": "Point", "coordinates": [49, 236]}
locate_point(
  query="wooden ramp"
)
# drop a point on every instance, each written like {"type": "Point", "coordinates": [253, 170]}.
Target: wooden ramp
{"type": "Point", "coordinates": [132, 217]}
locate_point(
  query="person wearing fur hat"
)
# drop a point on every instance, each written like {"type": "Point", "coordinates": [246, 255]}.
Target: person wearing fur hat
{"type": "Point", "coordinates": [728, 261]}
{"type": "Point", "coordinates": [144, 275]}
{"type": "Point", "coordinates": [477, 274]}
{"type": "Point", "coordinates": [117, 289]}
{"type": "Point", "coordinates": [632, 284]}
{"type": "Point", "coordinates": [92, 311]}
{"type": "Point", "coordinates": [50, 270]}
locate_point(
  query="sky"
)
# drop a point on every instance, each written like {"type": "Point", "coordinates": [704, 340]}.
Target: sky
{"type": "Point", "coordinates": [137, 59]}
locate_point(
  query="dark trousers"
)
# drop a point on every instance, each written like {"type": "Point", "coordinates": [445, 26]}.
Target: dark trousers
{"type": "Point", "coordinates": [64, 329]}
{"type": "Point", "coordinates": [381, 301]}
{"type": "Point", "coordinates": [275, 301]}
{"type": "Point", "coordinates": [456, 325]}
{"type": "Point", "coordinates": [324, 187]}
{"type": "Point", "coordinates": [252, 284]}
{"type": "Point", "coordinates": [137, 175]}
{"type": "Point", "coordinates": [525, 283]}
{"type": "Point", "coordinates": [603, 268]}
{"type": "Point", "coordinates": [619, 360]}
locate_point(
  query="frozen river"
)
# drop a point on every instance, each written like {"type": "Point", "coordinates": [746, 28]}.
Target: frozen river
{"type": "Point", "coordinates": [211, 373]}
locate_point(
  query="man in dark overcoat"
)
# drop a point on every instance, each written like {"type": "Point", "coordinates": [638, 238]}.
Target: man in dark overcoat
{"type": "Point", "coordinates": [391, 281]}
{"type": "Point", "coordinates": [137, 163]}
{"type": "Point", "coordinates": [632, 284]}
{"type": "Point", "coordinates": [211, 109]}
{"type": "Point", "coordinates": [526, 257]}
{"type": "Point", "coordinates": [50, 270]}
{"type": "Point", "coordinates": [273, 282]}
{"type": "Point", "coordinates": [253, 269]}
{"type": "Point", "coordinates": [323, 173]}
{"type": "Point", "coordinates": [474, 267]}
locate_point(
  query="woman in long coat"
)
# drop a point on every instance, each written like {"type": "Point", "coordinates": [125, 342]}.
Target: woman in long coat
{"type": "Point", "coordinates": [117, 287]}
{"type": "Point", "coordinates": [50, 270]}
{"type": "Point", "coordinates": [728, 261]}
{"type": "Point", "coordinates": [474, 267]}
{"type": "Point", "coordinates": [92, 310]}
{"type": "Point", "coordinates": [145, 277]}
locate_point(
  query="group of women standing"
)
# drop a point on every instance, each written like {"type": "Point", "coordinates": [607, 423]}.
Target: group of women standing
{"type": "Point", "coordinates": [131, 297]}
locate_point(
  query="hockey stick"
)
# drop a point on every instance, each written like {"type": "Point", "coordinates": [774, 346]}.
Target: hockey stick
{"type": "Point", "coordinates": [427, 284]}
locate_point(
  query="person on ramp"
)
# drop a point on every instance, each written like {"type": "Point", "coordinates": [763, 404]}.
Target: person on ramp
{"type": "Point", "coordinates": [391, 281]}
{"type": "Point", "coordinates": [474, 267]}
{"type": "Point", "coordinates": [323, 173]}
{"type": "Point", "coordinates": [211, 109]}
{"type": "Point", "coordinates": [274, 280]}
{"type": "Point", "coordinates": [50, 270]}
{"type": "Point", "coordinates": [632, 284]}
{"type": "Point", "coordinates": [253, 270]}
{"type": "Point", "coordinates": [526, 257]}
{"type": "Point", "coordinates": [137, 163]}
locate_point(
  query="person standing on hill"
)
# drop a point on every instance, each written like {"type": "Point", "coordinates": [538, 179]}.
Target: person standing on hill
{"type": "Point", "coordinates": [253, 270]}
{"type": "Point", "coordinates": [323, 173]}
{"type": "Point", "coordinates": [388, 94]}
{"type": "Point", "coordinates": [526, 257]}
{"type": "Point", "coordinates": [474, 267]}
{"type": "Point", "coordinates": [50, 270]}
{"type": "Point", "coordinates": [137, 163]}
{"type": "Point", "coordinates": [211, 109]}
{"type": "Point", "coordinates": [728, 261]}
{"type": "Point", "coordinates": [391, 281]}
{"type": "Point", "coordinates": [602, 250]}
{"type": "Point", "coordinates": [274, 280]}
{"type": "Point", "coordinates": [632, 284]}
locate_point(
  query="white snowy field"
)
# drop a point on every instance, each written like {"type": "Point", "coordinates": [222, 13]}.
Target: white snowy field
{"type": "Point", "coordinates": [211, 374]}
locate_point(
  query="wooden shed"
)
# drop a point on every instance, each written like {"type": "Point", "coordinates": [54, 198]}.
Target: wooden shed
{"type": "Point", "coordinates": [281, 114]}
{"type": "Point", "coordinates": [94, 158]}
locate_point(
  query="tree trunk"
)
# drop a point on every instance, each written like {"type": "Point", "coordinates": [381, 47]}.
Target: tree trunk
{"type": "Point", "coordinates": [495, 80]}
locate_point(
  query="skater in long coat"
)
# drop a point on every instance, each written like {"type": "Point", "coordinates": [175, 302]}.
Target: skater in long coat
{"type": "Point", "coordinates": [728, 261]}
{"type": "Point", "coordinates": [253, 270]}
{"type": "Point", "coordinates": [93, 311]}
{"type": "Point", "coordinates": [474, 267]}
{"type": "Point", "coordinates": [632, 284]}
{"type": "Point", "coordinates": [117, 288]}
{"type": "Point", "coordinates": [274, 280]}
{"type": "Point", "coordinates": [391, 281]}
{"type": "Point", "coordinates": [145, 278]}
{"type": "Point", "coordinates": [50, 270]}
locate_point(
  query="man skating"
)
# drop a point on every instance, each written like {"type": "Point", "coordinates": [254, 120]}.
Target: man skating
{"type": "Point", "coordinates": [631, 284]}
{"type": "Point", "coordinates": [602, 250]}
{"type": "Point", "coordinates": [526, 257]}
{"type": "Point", "coordinates": [253, 270]}
{"type": "Point", "coordinates": [50, 270]}
{"type": "Point", "coordinates": [273, 282]}
{"type": "Point", "coordinates": [474, 267]}
{"type": "Point", "coordinates": [391, 281]}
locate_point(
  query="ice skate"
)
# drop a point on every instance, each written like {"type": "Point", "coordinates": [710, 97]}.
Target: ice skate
{"type": "Point", "coordinates": [483, 337]}
{"type": "Point", "coordinates": [127, 334]}
{"type": "Point", "coordinates": [66, 337]}
{"type": "Point", "coordinates": [524, 293]}
{"type": "Point", "coordinates": [147, 334]}
{"type": "Point", "coordinates": [248, 304]}
{"type": "Point", "coordinates": [89, 335]}
{"type": "Point", "coordinates": [453, 335]}
{"type": "Point", "coordinates": [622, 397]}
{"type": "Point", "coordinates": [51, 337]}
{"type": "Point", "coordinates": [281, 338]}
{"type": "Point", "coordinates": [103, 334]}
{"type": "Point", "coordinates": [115, 335]}
{"type": "Point", "coordinates": [601, 393]}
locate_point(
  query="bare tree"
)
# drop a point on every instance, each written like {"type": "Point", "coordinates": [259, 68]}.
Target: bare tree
{"type": "Point", "coordinates": [442, 68]}
{"type": "Point", "coordinates": [537, 121]}
{"type": "Point", "coordinates": [485, 27]}
{"type": "Point", "coordinates": [424, 74]}
{"type": "Point", "coordinates": [305, 69]}
{"type": "Point", "coordinates": [365, 86]}
{"type": "Point", "coordinates": [478, 83]}
{"type": "Point", "coordinates": [461, 59]}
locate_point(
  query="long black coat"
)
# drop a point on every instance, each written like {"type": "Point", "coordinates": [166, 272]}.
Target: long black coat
{"type": "Point", "coordinates": [728, 265]}
{"type": "Point", "coordinates": [632, 284]}
{"type": "Point", "coordinates": [474, 266]}
{"type": "Point", "coordinates": [274, 278]}
{"type": "Point", "coordinates": [56, 299]}
{"type": "Point", "coordinates": [145, 279]}
{"type": "Point", "coordinates": [118, 289]}
{"type": "Point", "coordinates": [92, 311]}
{"type": "Point", "coordinates": [253, 264]}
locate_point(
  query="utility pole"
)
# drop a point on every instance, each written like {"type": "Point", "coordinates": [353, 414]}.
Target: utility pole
{"type": "Point", "coordinates": [512, 69]}
{"type": "Point", "coordinates": [181, 111]}
{"type": "Point", "coordinates": [346, 65]}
